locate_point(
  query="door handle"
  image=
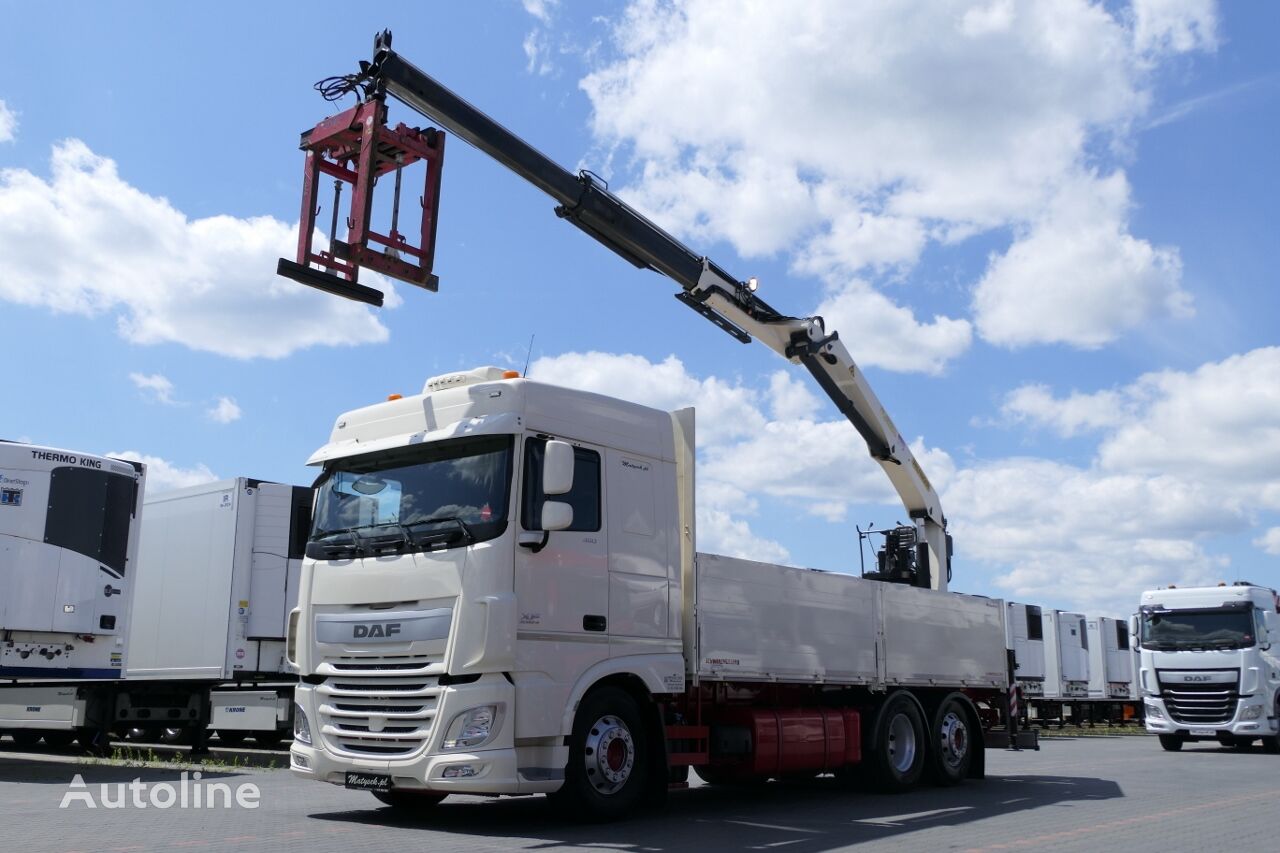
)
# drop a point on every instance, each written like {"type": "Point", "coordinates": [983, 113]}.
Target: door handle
{"type": "Point", "coordinates": [594, 623]}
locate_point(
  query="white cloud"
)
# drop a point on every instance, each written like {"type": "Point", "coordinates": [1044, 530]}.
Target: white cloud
{"type": "Point", "coordinates": [1176, 26]}
{"type": "Point", "coordinates": [881, 334]}
{"type": "Point", "coordinates": [156, 386]}
{"type": "Point", "coordinates": [8, 123]}
{"type": "Point", "coordinates": [85, 241]}
{"type": "Point", "coordinates": [1077, 276]}
{"type": "Point", "coordinates": [1269, 541]}
{"type": "Point", "coordinates": [225, 411]}
{"type": "Point", "coordinates": [540, 9]}
{"type": "Point", "coordinates": [163, 475]}
{"type": "Point", "coordinates": [1082, 537]}
{"type": "Point", "coordinates": [1069, 416]}
{"type": "Point", "coordinates": [852, 136]}
{"type": "Point", "coordinates": [1218, 424]}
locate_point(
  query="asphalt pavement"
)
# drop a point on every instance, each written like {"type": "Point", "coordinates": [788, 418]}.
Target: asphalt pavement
{"type": "Point", "coordinates": [1074, 794]}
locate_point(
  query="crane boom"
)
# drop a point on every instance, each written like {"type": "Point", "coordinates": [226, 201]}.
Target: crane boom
{"type": "Point", "coordinates": [729, 303]}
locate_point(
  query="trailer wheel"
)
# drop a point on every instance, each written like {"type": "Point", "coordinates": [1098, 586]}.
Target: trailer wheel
{"type": "Point", "coordinates": [231, 737]}
{"type": "Point", "coordinates": [951, 751]}
{"type": "Point", "coordinates": [897, 749]}
{"type": "Point", "coordinates": [1171, 743]}
{"type": "Point", "coordinates": [409, 803]}
{"type": "Point", "coordinates": [608, 757]}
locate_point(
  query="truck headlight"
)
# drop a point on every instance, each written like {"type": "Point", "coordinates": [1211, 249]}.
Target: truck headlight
{"type": "Point", "coordinates": [1154, 712]}
{"type": "Point", "coordinates": [301, 726]}
{"type": "Point", "coordinates": [1253, 712]}
{"type": "Point", "coordinates": [471, 728]}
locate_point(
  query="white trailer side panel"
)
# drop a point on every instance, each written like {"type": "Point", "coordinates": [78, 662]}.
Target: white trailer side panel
{"type": "Point", "coordinates": [941, 638]}
{"type": "Point", "coordinates": [759, 621]}
{"type": "Point", "coordinates": [182, 610]}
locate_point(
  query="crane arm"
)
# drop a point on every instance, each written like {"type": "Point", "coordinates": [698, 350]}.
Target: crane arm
{"type": "Point", "coordinates": [729, 303]}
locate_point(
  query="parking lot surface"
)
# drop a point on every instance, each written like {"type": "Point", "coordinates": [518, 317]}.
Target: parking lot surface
{"type": "Point", "coordinates": [1075, 794]}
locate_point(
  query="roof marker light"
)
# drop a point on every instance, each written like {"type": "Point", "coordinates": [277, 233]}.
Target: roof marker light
{"type": "Point", "coordinates": [510, 374]}
{"type": "Point", "coordinates": [391, 397]}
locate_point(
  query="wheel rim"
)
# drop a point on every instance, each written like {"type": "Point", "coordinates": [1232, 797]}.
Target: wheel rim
{"type": "Point", "coordinates": [954, 737]}
{"type": "Point", "coordinates": [609, 754]}
{"type": "Point", "coordinates": [901, 743]}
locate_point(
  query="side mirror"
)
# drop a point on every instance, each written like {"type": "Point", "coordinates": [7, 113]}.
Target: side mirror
{"type": "Point", "coordinates": [1270, 621]}
{"type": "Point", "coordinates": [1133, 632]}
{"type": "Point", "coordinates": [556, 515]}
{"type": "Point", "coordinates": [557, 471]}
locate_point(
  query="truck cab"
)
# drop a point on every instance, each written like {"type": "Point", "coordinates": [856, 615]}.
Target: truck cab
{"type": "Point", "coordinates": [1209, 667]}
{"type": "Point", "coordinates": [463, 584]}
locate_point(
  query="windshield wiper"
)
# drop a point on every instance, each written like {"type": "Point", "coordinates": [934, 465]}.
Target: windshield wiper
{"type": "Point", "coordinates": [463, 527]}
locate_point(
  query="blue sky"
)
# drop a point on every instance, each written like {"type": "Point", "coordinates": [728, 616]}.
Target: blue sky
{"type": "Point", "coordinates": [1044, 229]}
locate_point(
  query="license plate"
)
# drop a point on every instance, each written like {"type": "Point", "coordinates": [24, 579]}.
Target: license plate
{"type": "Point", "coordinates": [369, 781]}
{"type": "Point", "coordinates": [1194, 733]}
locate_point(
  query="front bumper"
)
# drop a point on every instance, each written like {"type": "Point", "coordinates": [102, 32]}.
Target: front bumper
{"type": "Point", "coordinates": [1158, 721]}
{"type": "Point", "coordinates": [489, 770]}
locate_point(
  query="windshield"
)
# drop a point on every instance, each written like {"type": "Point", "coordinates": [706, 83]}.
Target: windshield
{"type": "Point", "coordinates": [1189, 629]}
{"type": "Point", "coordinates": [444, 494]}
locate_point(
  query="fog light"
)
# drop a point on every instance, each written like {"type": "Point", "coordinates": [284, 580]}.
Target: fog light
{"type": "Point", "coordinates": [301, 761]}
{"type": "Point", "coordinates": [301, 727]}
{"type": "Point", "coordinates": [459, 771]}
{"type": "Point", "coordinates": [471, 728]}
{"type": "Point", "coordinates": [1155, 712]}
{"type": "Point", "coordinates": [1253, 712]}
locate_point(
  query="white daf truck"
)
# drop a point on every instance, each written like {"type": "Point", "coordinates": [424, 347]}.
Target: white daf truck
{"type": "Point", "coordinates": [1210, 668]}
{"type": "Point", "coordinates": [503, 594]}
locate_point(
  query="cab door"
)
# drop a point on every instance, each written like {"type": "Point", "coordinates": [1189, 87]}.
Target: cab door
{"type": "Point", "coordinates": [562, 577]}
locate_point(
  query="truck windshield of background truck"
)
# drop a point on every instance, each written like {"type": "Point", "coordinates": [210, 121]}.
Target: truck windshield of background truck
{"type": "Point", "coordinates": [441, 495]}
{"type": "Point", "coordinates": [1198, 629]}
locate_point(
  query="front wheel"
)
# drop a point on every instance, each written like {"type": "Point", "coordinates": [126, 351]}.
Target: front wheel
{"type": "Point", "coordinates": [1171, 743]}
{"type": "Point", "coordinates": [608, 757]}
{"type": "Point", "coordinates": [952, 748]}
{"type": "Point", "coordinates": [897, 748]}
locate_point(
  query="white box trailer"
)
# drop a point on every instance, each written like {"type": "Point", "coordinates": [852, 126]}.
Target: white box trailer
{"type": "Point", "coordinates": [1024, 636]}
{"type": "Point", "coordinates": [1066, 655]}
{"type": "Point", "coordinates": [217, 574]}
{"type": "Point", "coordinates": [69, 525]}
{"type": "Point", "coordinates": [1110, 658]}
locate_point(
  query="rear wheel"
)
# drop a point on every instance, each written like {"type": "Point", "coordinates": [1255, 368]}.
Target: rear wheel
{"type": "Point", "coordinates": [897, 748]}
{"type": "Point", "coordinates": [608, 757]}
{"type": "Point", "coordinates": [409, 803]}
{"type": "Point", "coordinates": [951, 752]}
{"type": "Point", "coordinates": [1171, 743]}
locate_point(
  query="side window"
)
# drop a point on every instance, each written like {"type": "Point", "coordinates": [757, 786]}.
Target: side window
{"type": "Point", "coordinates": [584, 497]}
{"type": "Point", "coordinates": [1035, 628]}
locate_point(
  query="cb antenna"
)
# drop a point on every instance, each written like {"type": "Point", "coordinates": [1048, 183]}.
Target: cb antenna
{"type": "Point", "coordinates": [527, 356]}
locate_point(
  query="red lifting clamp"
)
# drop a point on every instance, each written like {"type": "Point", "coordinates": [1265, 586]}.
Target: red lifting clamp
{"type": "Point", "coordinates": [356, 147]}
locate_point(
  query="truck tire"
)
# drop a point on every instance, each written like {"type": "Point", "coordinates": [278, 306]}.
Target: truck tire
{"type": "Point", "coordinates": [608, 768]}
{"type": "Point", "coordinates": [1171, 743]}
{"type": "Point", "coordinates": [897, 749]}
{"type": "Point", "coordinates": [951, 745]}
{"type": "Point", "coordinates": [409, 803]}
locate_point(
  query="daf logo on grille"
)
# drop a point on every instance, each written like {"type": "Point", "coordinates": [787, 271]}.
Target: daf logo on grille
{"type": "Point", "coordinates": [376, 629]}
{"type": "Point", "coordinates": [1197, 677]}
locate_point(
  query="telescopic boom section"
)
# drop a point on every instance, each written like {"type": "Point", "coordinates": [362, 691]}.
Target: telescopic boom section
{"type": "Point", "coordinates": [730, 304]}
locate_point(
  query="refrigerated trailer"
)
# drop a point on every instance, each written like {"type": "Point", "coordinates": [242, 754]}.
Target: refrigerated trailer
{"type": "Point", "coordinates": [216, 576]}
{"type": "Point", "coordinates": [69, 526]}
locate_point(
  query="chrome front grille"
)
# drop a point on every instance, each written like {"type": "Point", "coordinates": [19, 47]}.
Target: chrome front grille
{"type": "Point", "coordinates": [1201, 704]}
{"type": "Point", "coordinates": [378, 706]}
